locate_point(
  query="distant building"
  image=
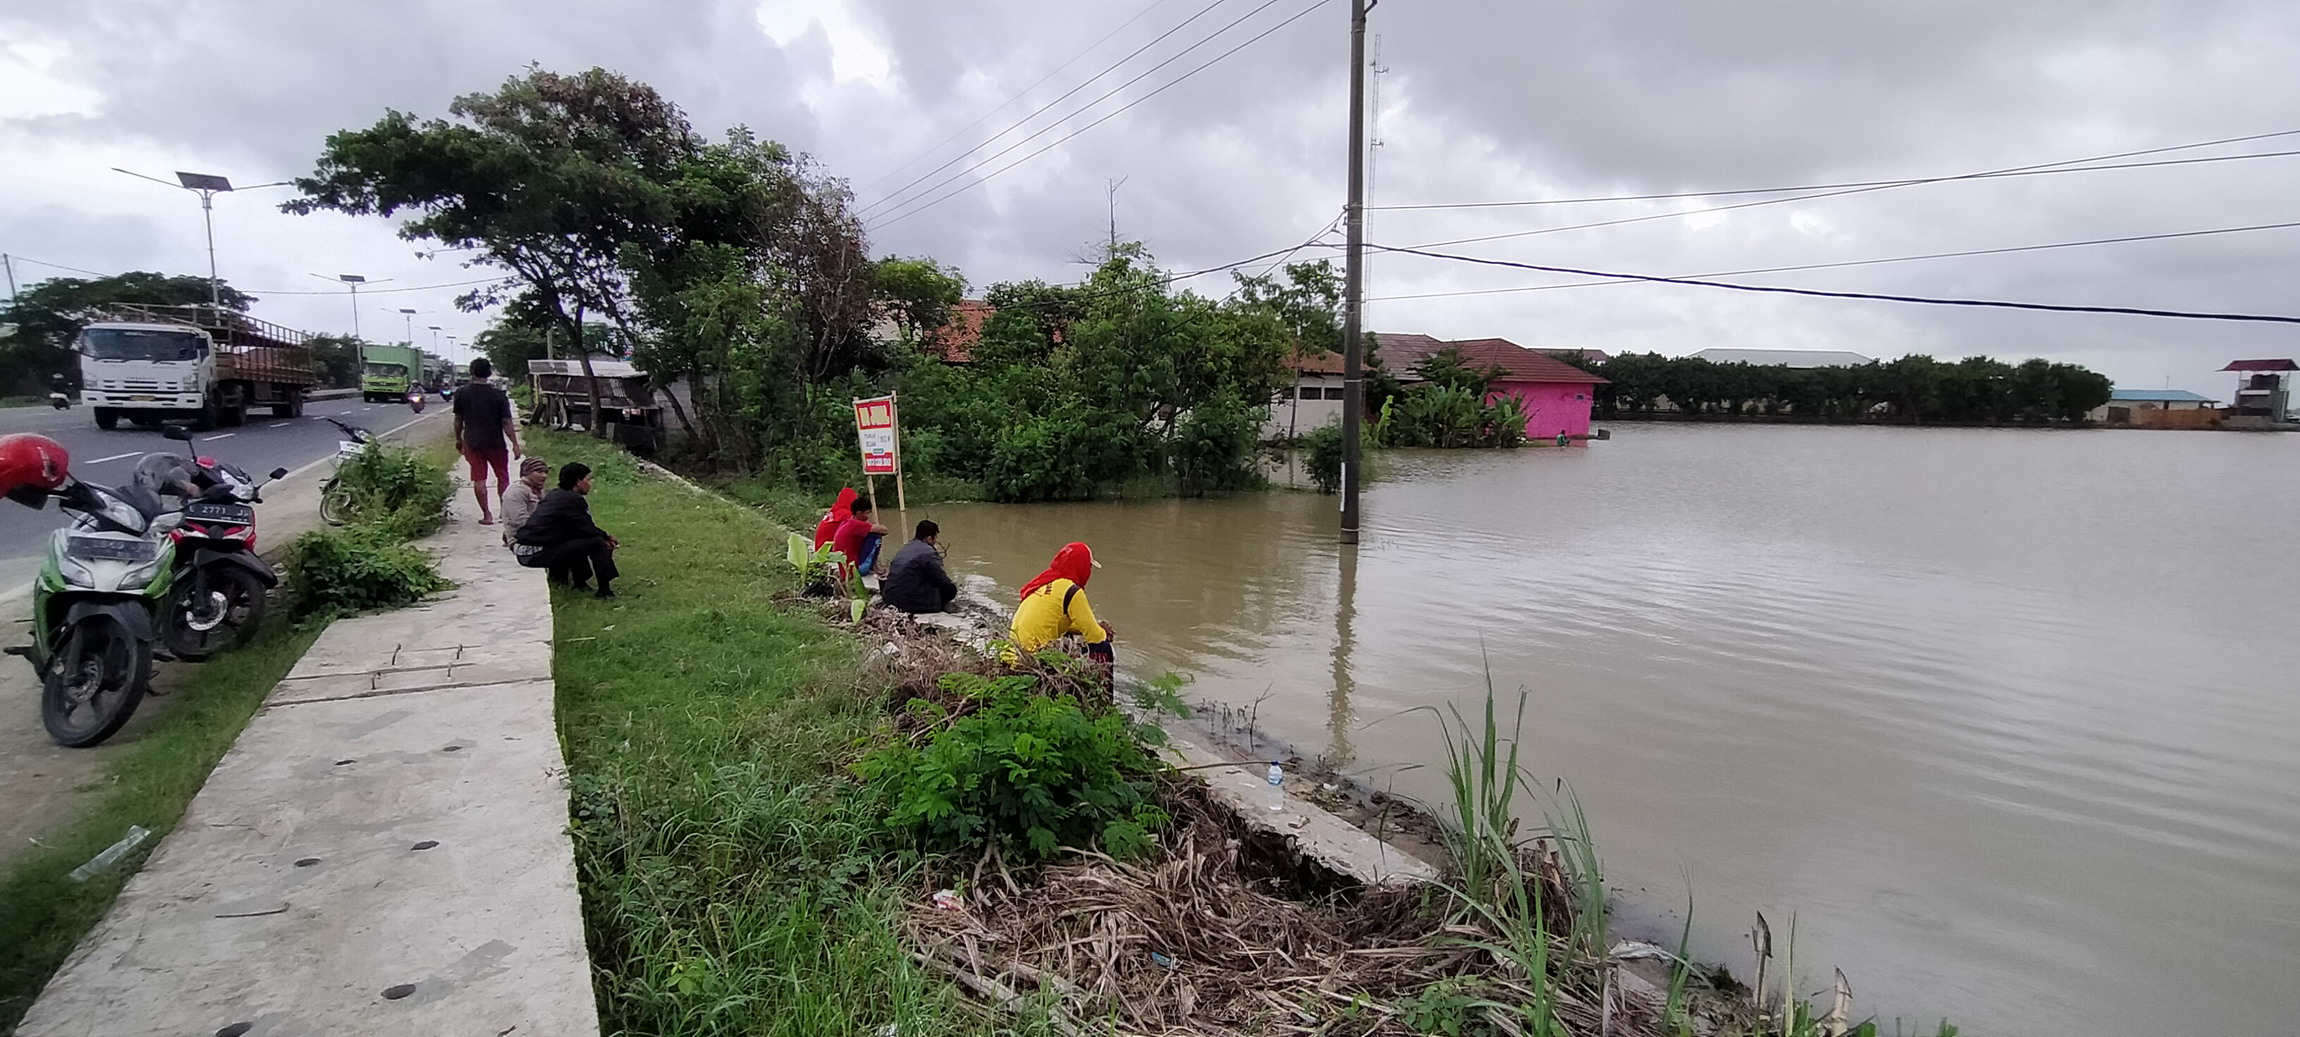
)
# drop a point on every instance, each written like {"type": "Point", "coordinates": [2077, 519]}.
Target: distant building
{"type": "Point", "coordinates": [954, 341]}
{"type": "Point", "coordinates": [1314, 399]}
{"type": "Point", "coordinates": [2157, 408]}
{"type": "Point", "coordinates": [2263, 388]}
{"type": "Point", "coordinates": [1801, 359]}
{"type": "Point", "coordinates": [1555, 395]}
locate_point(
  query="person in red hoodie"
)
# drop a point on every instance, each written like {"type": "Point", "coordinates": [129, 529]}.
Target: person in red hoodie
{"type": "Point", "coordinates": [839, 513]}
{"type": "Point", "coordinates": [858, 538]}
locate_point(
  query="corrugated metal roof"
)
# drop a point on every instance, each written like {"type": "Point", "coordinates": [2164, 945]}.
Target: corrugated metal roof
{"type": "Point", "coordinates": [2157, 396]}
{"type": "Point", "coordinates": [1799, 358]}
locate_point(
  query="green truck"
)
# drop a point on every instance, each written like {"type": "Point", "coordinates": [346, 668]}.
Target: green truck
{"type": "Point", "coordinates": [387, 372]}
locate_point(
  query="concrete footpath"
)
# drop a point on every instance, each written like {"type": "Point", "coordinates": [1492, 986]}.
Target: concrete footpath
{"type": "Point", "coordinates": [49, 785]}
{"type": "Point", "coordinates": [383, 851]}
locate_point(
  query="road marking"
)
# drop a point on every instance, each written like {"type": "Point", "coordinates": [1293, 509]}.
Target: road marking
{"type": "Point", "coordinates": [279, 424]}
{"type": "Point", "coordinates": [115, 457]}
{"type": "Point", "coordinates": [211, 439]}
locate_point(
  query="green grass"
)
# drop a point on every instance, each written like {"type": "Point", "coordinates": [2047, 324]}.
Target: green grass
{"type": "Point", "coordinates": [43, 913]}
{"type": "Point", "coordinates": [735, 878]}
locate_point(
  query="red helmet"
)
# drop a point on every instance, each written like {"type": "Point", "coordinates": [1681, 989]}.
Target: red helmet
{"type": "Point", "coordinates": [30, 462]}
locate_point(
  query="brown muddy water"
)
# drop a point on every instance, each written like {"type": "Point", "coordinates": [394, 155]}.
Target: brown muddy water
{"type": "Point", "coordinates": [2008, 721]}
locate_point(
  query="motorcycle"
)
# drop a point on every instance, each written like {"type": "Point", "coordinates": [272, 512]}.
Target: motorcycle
{"type": "Point", "coordinates": [57, 397]}
{"type": "Point", "coordinates": [335, 505]}
{"type": "Point", "coordinates": [93, 605]}
{"type": "Point", "coordinates": [415, 402]}
{"type": "Point", "coordinates": [218, 596]}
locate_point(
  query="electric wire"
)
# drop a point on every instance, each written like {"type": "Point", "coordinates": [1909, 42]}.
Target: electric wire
{"type": "Point", "coordinates": [1840, 193]}
{"type": "Point", "coordinates": [2133, 311]}
{"type": "Point", "coordinates": [892, 197]}
{"type": "Point", "coordinates": [1025, 92]}
{"type": "Point", "coordinates": [1869, 262]}
{"type": "Point", "coordinates": [1058, 142]}
{"type": "Point", "coordinates": [1903, 182]}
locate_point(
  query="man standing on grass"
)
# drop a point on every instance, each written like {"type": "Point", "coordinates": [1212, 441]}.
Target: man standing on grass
{"type": "Point", "coordinates": [487, 434]}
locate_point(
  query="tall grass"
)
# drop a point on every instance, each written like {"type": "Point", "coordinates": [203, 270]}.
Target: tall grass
{"type": "Point", "coordinates": [733, 876]}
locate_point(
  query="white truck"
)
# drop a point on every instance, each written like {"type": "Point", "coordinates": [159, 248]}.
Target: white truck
{"type": "Point", "coordinates": [152, 364]}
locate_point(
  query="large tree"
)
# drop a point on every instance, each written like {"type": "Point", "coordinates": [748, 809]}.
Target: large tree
{"type": "Point", "coordinates": [48, 315]}
{"type": "Point", "coordinates": [549, 177]}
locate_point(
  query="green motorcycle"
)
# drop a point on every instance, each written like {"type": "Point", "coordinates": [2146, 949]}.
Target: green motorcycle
{"type": "Point", "coordinates": [94, 605]}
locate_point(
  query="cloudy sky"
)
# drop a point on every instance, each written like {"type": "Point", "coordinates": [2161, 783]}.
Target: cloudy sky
{"type": "Point", "coordinates": [1483, 100]}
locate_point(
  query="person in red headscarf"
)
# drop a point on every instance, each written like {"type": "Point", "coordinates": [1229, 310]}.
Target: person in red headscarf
{"type": "Point", "coordinates": [840, 512]}
{"type": "Point", "coordinates": [1054, 606]}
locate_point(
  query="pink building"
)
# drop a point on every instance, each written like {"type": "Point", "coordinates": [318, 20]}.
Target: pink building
{"type": "Point", "coordinates": [1555, 395]}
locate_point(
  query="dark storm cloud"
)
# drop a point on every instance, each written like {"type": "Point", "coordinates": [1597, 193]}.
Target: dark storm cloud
{"type": "Point", "coordinates": [1484, 100]}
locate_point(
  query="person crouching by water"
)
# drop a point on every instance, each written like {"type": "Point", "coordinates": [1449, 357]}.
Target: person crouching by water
{"type": "Point", "coordinates": [520, 500]}
{"type": "Point", "coordinates": [561, 537]}
{"type": "Point", "coordinates": [915, 581]}
{"type": "Point", "coordinates": [858, 539]}
{"type": "Point", "coordinates": [1054, 606]}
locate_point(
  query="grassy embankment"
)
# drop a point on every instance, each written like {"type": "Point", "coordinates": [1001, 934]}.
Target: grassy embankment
{"type": "Point", "coordinates": [729, 884]}
{"type": "Point", "coordinates": [45, 913]}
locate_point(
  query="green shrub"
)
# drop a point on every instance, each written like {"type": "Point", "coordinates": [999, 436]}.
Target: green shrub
{"type": "Point", "coordinates": [1325, 457]}
{"type": "Point", "coordinates": [1031, 772]}
{"type": "Point", "coordinates": [1213, 448]}
{"type": "Point", "coordinates": [396, 488]}
{"type": "Point", "coordinates": [336, 571]}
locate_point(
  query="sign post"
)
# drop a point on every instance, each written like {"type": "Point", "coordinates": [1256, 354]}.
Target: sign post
{"type": "Point", "coordinates": [881, 446]}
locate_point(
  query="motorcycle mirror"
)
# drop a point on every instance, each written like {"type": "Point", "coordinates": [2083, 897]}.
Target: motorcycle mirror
{"type": "Point", "coordinates": [279, 473]}
{"type": "Point", "coordinates": [176, 432]}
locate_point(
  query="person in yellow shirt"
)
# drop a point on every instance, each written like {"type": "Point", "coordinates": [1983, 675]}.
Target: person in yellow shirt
{"type": "Point", "coordinates": [1054, 606]}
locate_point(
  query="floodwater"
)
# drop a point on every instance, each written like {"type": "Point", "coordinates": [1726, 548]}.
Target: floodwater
{"type": "Point", "coordinates": [2007, 721]}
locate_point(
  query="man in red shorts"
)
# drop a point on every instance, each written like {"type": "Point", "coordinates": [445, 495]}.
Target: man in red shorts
{"type": "Point", "coordinates": [487, 433]}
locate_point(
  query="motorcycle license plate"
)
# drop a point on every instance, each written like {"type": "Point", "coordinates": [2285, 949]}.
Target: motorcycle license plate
{"type": "Point", "coordinates": [214, 512]}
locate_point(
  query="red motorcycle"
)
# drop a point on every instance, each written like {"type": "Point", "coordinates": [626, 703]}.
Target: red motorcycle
{"type": "Point", "coordinates": [217, 599]}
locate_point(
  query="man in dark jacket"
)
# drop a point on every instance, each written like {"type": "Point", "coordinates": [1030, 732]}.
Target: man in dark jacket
{"type": "Point", "coordinates": [561, 537]}
{"type": "Point", "coordinates": [916, 582]}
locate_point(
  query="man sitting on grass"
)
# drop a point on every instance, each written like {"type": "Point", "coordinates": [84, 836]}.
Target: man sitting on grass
{"type": "Point", "coordinates": [561, 537]}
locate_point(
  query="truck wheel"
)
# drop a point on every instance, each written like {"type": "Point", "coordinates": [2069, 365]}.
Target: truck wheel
{"type": "Point", "coordinates": [233, 416]}
{"type": "Point", "coordinates": [293, 409]}
{"type": "Point", "coordinates": [209, 417]}
{"type": "Point", "coordinates": [107, 418]}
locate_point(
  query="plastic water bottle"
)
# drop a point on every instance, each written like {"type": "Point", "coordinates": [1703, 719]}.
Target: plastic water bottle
{"type": "Point", "coordinates": [1274, 797]}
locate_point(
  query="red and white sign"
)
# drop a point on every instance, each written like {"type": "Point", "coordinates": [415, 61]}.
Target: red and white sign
{"type": "Point", "coordinates": [874, 423]}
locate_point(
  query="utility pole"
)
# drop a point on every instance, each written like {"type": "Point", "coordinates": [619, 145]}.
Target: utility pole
{"type": "Point", "coordinates": [207, 186]}
{"type": "Point", "coordinates": [9, 264]}
{"type": "Point", "coordinates": [1353, 284]}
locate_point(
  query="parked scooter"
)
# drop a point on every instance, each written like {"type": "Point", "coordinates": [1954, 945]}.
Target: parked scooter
{"type": "Point", "coordinates": [334, 503]}
{"type": "Point", "coordinates": [93, 605]}
{"type": "Point", "coordinates": [217, 601]}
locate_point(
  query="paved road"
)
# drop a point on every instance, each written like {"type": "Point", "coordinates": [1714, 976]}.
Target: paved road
{"type": "Point", "coordinates": [259, 446]}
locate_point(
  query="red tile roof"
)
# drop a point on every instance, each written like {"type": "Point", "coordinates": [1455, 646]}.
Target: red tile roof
{"type": "Point", "coordinates": [1519, 364]}
{"type": "Point", "coordinates": [1315, 363]}
{"type": "Point", "coordinates": [954, 341]}
{"type": "Point", "coordinates": [2261, 365]}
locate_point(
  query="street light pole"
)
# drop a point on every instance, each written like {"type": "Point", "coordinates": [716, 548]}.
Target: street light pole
{"type": "Point", "coordinates": [410, 315]}
{"type": "Point", "coordinates": [207, 186]}
{"type": "Point", "coordinates": [1353, 284]}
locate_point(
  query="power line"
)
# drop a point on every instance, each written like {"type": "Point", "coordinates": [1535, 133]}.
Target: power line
{"type": "Point", "coordinates": [1904, 182]}
{"type": "Point", "coordinates": [262, 292]}
{"type": "Point", "coordinates": [1873, 296]}
{"type": "Point", "coordinates": [1875, 262]}
{"type": "Point", "coordinates": [1856, 190]}
{"type": "Point", "coordinates": [1058, 142]}
{"type": "Point", "coordinates": [1066, 95]}
{"type": "Point", "coordinates": [1025, 91]}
